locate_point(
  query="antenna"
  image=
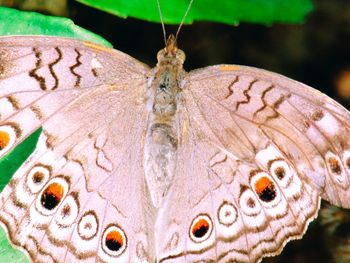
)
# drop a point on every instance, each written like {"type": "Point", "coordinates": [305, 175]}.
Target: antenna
{"type": "Point", "coordinates": [183, 19]}
{"type": "Point", "coordinates": [161, 20]}
{"type": "Point", "coordinates": [180, 25]}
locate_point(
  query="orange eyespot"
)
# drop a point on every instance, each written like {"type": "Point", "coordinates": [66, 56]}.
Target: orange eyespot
{"type": "Point", "coordinates": [4, 139]}
{"type": "Point", "coordinates": [348, 162]}
{"type": "Point", "coordinates": [265, 189]}
{"type": "Point", "coordinates": [262, 184]}
{"type": "Point", "coordinates": [52, 196]}
{"type": "Point", "coordinates": [114, 240]}
{"type": "Point", "coordinates": [201, 228]}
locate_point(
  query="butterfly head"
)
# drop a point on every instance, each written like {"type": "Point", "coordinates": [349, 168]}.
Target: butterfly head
{"type": "Point", "coordinates": [171, 54]}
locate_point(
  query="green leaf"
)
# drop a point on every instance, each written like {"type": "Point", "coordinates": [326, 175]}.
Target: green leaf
{"type": "Point", "coordinates": [223, 11]}
{"type": "Point", "coordinates": [14, 22]}
{"type": "Point", "coordinates": [11, 161]}
{"type": "Point", "coordinates": [8, 253]}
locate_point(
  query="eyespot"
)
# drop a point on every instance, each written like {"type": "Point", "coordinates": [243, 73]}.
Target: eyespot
{"type": "Point", "coordinates": [88, 225]}
{"type": "Point", "coordinates": [68, 211]}
{"type": "Point", "coordinates": [114, 241]}
{"type": "Point", "coordinates": [37, 178]}
{"type": "Point", "coordinates": [227, 214]}
{"type": "Point", "coordinates": [317, 115]}
{"type": "Point", "coordinates": [52, 195]}
{"type": "Point", "coordinates": [283, 174]}
{"type": "Point", "coordinates": [201, 228]}
{"type": "Point", "coordinates": [8, 135]}
{"type": "Point", "coordinates": [334, 165]}
{"type": "Point", "coordinates": [265, 189]}
{"type": "Point", "coordinates": [4, 139]}
{"type": "Point", "coordinates": [250, 208]}
{"type": "Point", "coordinates": [280, 172]}
{"type": "Point", "coordinates": [248, 202]}
{"type": "Point", "coordinates": [346, 158]}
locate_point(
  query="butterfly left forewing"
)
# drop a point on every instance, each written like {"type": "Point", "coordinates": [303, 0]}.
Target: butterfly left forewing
{"type": "Point", "coordinates": [70, 201]}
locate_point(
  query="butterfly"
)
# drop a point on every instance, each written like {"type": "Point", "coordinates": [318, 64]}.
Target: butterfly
{"type": "Point", "coordinates": [221, 164]}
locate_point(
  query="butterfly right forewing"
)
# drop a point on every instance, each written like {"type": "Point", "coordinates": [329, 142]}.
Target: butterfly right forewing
{"type": "Point", "coordinates": [307, 126]}
{"type": "Point", "coordinates": [260, 150]}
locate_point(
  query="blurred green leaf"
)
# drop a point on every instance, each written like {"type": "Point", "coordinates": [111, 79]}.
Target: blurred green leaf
{"type": "Point", "coordinates": [14, 22]}
{"type": "Point", "coordinates": [8, 253]}
{"type": "Point", "coordinates": [224, 11]}
{"type": "Point", "coordinates": [11, 161]}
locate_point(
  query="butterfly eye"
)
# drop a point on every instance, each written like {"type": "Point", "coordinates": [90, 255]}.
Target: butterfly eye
{"type": "Point", "coordinates": [265, 189]}
{"type": "Point", "coordinates": [8, 135]}
{"type": "Point", "coordinates": [114, 241]}
{"type": "Point", "coordinates": [201, 228]}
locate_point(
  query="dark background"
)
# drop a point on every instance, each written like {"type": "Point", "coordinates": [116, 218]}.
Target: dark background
{"type": "Point", "coordinates": [316, 52]}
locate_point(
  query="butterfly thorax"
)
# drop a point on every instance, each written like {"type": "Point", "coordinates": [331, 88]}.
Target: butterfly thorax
{"type": "Point", "coordinates": [160, 152]}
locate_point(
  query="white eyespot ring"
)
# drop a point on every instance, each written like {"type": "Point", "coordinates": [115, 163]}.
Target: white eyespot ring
{"type": "Point", "coordinates": [68, 211]}
{"type": "Point", "coordinates": [88, 225]}
{"type": "Point", "coordinates": [227, 214]}
{"type": "Point", "coordinates": [249, 204]}
{"type": "Point", "coordinates": [37, 178]}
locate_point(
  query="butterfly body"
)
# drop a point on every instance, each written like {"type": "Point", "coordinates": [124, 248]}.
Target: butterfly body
{"type": "Point", "coordinates": [162, 135]}
{"type": "Point", "coordinates": [221, 164]}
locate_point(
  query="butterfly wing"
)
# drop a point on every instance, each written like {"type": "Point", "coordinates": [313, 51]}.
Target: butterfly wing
{"type": "Point", "coordinates": [70, 201]}
{"type": "Point", "coordinates": [257, 151]}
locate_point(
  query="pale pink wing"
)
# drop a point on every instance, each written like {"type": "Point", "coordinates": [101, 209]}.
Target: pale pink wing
{"type": "Point", "coordinates": [257, 151]}
{"type": "Point", "coordinates": [71, 200]}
